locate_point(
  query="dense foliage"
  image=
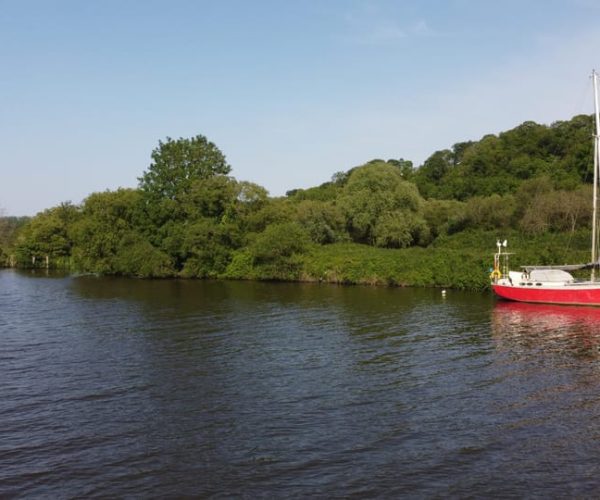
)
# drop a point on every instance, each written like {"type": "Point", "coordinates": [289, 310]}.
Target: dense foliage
{"type": "Point", "coordinates": [384, 222]}
{"type": "Point", "coordinates": [561, 152]}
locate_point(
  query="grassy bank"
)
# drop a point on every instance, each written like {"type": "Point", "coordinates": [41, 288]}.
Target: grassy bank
{"type": "Point", "coordinates": [461, 261]}
{"type": "Point", "coordinates": [425, 267]}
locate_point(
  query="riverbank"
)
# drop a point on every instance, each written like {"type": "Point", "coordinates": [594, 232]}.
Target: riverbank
{"type": "Point", "coordinates": [461, 261]}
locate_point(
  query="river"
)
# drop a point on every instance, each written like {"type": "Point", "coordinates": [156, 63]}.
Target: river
{"type": "Point", "coordinates": [160, 389]}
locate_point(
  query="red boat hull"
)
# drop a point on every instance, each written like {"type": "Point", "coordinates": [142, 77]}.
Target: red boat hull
{"type": "Point", "coordinates": [588, 295]}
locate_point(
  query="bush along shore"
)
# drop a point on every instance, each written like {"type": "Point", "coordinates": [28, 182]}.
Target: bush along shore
{"type": "Point", "coordinates": [381, 223]}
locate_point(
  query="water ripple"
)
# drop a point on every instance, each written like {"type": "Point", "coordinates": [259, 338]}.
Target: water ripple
{"type": "Point", "coordinates": [127, 388]}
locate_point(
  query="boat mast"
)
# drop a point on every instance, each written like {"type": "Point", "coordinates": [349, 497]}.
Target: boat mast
{"type": "Point", "coordinates": [595, 189]}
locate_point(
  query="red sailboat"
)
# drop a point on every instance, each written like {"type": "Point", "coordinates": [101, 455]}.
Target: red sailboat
{"type": "Point", "coordinates": [553, 284]}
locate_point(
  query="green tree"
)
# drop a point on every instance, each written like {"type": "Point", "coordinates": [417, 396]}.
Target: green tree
{"type": "Point", "coordinates": [251, 195]}
{"type": "Point", "coordinates": [499, 164]}
{"type": "Point", "coordinates": [372, 191]}
{"type": "Point", "coordinates": [401, 229]}
{"type": "Point", "coordinates": [406, 168]}
{"type": "Point", "coordinates": [176, 168]}
{"type": "Point", "coordinates": [9, 231]}
{"type": "Point", "coordinates": [5, 233]}
{"type": "Point", "coordinates": [209, 247]}
{"type": "Point", "coordinates": [176, 164]}
{"type": "Point", "coordinates": [275, 251]}
{"type": "Point", "coordinates": [213, 197]}
{"type": "Point", "coordinates": [558, 211]}
{"type": "Point", "coordinates": [272, 211]}
{"type": "Point", "coordinates": [328, 191]}
{"type": "Point", "coordinates": [572, 146]}
{"type": "Point", "coordinates": [444, 216]}
{"type": "Point", "coordinates": [430, 174]}
{"type": "Point", "coordinates": [529, 191]}
{"type": "Point", "coordinates": [47, 236]}
{"type": "Point", "coordinates": [254, 210]}
{"type": "Point", "coordinates": [107, 241]}
{"type": "Point", "coordinates": [323, 221]}
{"type": "Point", "coordinates": [4, 228]}
{"type": "Point", "coordinates": [186, 182]}
{"type": "Point", "coordinates": [215, 213]}
{"type": "Point", "coordinates": [490, 212]}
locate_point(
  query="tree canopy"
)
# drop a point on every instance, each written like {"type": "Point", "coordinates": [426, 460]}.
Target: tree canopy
{"type": "Point", "coordinates": [382, 208]}
{"type": "Point", "coordinates": [176, 164]}
{"type": "Point", "coordinates": [190, 218]}
{"type": "Point", "coordinates": [499, 164]}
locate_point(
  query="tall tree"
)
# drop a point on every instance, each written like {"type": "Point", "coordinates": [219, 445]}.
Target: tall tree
{"type": "Point", "coordinates": [370, 194]}
{"type": "Point", "coordinates": [169, 188]}
{"type": "Point", "coordinates": [176, 164]}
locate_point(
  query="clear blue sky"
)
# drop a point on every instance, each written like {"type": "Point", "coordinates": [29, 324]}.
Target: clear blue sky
{"type": "Point", "coordinates": [290, 91]}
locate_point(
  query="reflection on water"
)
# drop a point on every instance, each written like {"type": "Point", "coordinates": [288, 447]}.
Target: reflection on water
{"type": "Point", "coordinates": [569, 330]}
{"type": "Point", "coordinates": [129, 388]}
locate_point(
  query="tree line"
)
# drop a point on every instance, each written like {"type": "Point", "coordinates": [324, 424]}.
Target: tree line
{"type": "Point", "coordinates": [189, 217]}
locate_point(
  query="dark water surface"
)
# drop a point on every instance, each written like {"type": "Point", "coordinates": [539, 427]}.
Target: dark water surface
{"type": "Point", "coordinates": [162, 389]}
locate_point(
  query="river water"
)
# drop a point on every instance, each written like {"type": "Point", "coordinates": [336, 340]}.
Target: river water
{"type": "Point", "coordinates": [163, 389]}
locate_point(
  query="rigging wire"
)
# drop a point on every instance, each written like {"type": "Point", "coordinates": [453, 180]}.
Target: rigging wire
{"type": "Point", "coordinates": [582, 103]}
